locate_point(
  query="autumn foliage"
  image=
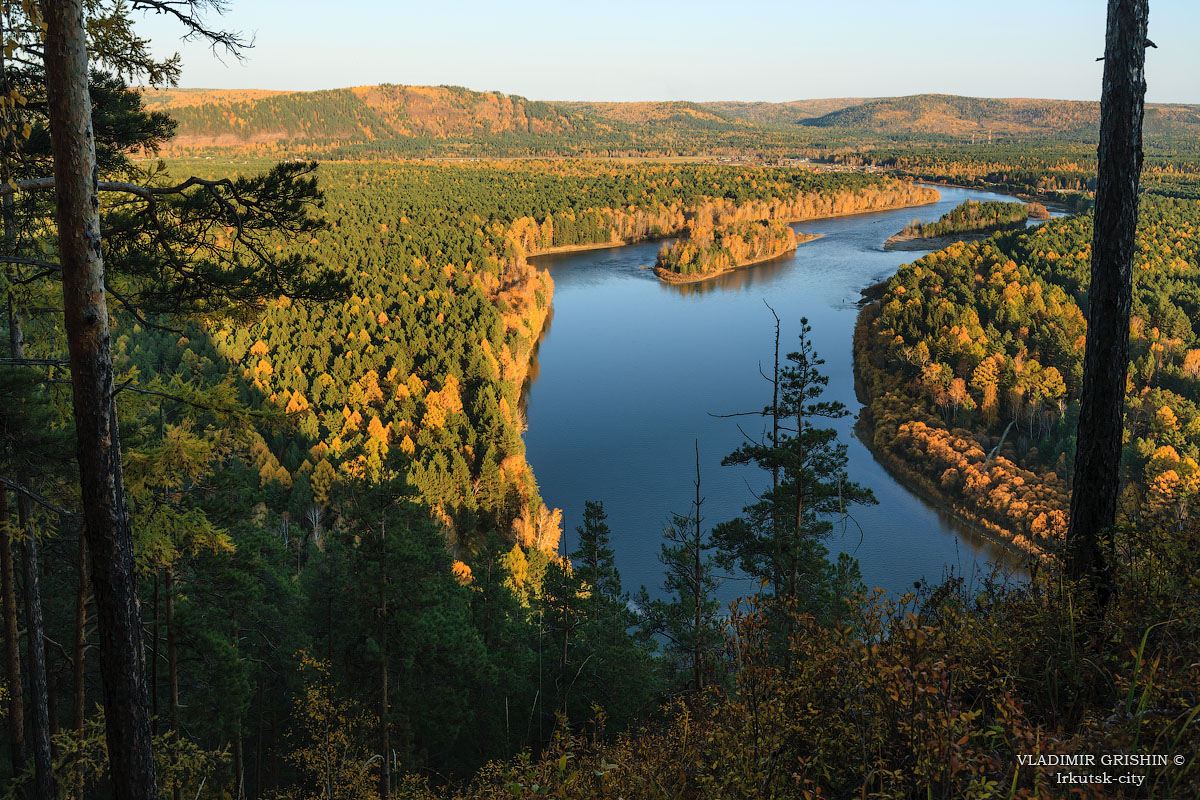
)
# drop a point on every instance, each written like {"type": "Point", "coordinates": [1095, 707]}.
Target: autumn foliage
{"type": "Point", "coordinates": [971, 363]}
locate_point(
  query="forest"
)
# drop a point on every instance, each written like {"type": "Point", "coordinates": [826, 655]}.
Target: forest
{"type": "Point", "coordinates": [267, 527]}
{"type": "Point", "coordinates": [972, 360]}
{"type": "Point", "coordinates": [295, 448]}
{"type": "Point", "coordinates": [971, 216]}
{"type": "Point", "coordinates": [389, 121]}
{"type": "Point", "coordinates": [707, 251]}
{"type": "Point", "coordinates": [719, 238]}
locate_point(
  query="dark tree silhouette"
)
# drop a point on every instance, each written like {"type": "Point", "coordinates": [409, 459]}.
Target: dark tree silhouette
{"type": "Point", "coordinates": [1106, 358]}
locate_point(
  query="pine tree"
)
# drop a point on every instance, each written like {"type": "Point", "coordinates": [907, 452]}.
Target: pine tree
{"type": "Point", "coordinates": [687, 620]}
{"type": "Point", "coordinates": [778, 538]}
{"type": "Point", "coordinates": [594, 560]}
{"type": "Point", "coordinates": [591, 641]}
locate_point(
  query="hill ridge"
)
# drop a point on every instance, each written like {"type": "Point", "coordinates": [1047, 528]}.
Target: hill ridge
{"type": "Point", "coordinates": [411, 119]}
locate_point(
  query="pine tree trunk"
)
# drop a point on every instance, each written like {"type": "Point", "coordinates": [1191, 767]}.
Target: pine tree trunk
{"type": "Point", "coordinates": [154, 640]}
{"type": "Point", "coordinates": [239, 767]}
{"type": "Point", "coordinates": [12, 643]}
{"type": "Point", "coordinates": [385, 748]}
{"type": "Point", "coordinates": [78, 672]}
{"type": "Point", "coordinates": [35, 654]}
{"type": "Point", "coordinates": [258, 747]}
{"type": "Point", "coordinates": [85, 319]}
{"type": "Point", "coordinates": [172, 669]}
{"type": "Point", "coordinates": [274, 751]}
{"type": "Point", "coordinates": [698, 567]}
{"type": "Point", "coordinates": [8, 585]}
{"type": "Point", "coordinates": [776, 521]}
{"type": "Point", "coordinates": [239, 756]}
{"type": "Point", "coordinates": [39, 697]}
{"type": "Point", "coordinates": [1106, 358]}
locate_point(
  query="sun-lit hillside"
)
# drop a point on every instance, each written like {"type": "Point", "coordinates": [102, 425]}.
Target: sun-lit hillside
{"type": "Point", "coordinates": [389, 120]}
{"type": "Point", "coordinates": [959, 116]}
{"type": "Point", "coordinates": [789, 113]}
{"type": "Point", "coordinates": [358, 115]}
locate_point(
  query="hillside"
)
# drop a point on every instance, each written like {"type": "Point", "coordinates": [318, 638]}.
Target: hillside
{"type": "Point", "coordinates": [789, 113]}
{"type": "Point", "coordinates": [963, 116]}
{"type": "Point", "coordinates": [390, 120]}
{"type": "Point", "coordinates": [649, 113]}
{"type": "Point", "coordinates": [361, 114]}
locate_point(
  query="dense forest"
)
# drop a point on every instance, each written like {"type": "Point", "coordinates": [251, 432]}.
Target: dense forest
{"type": "Point", "coordinates": [327, 482]}
{"type": "Point", "coordinates": [388, 121]}
{"type": "Point", "coordinates": [267, 529]}
{"type": "Point", "coordinates": [989, 117]}
{"type": "Point", "coordinates": [1055, 170]}
{"type": "Point", "coordinates": [972, 363]}
{"type": "Point", "coordinates": [720, 238]}
{"type": "Point", "coordinates": [706, 251]}
{"type": "Point", "coordinates": [971, 216]}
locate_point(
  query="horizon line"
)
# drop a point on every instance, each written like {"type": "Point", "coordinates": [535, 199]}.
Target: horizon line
{"type": "Point", "coordinates": [862, 98]}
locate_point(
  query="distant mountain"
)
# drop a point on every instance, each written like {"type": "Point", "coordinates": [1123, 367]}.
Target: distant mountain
{"type": "Point", "coordinates": [361, 114]}
{"type": "Point", "coordinates": [388, 120]}
{"type": "Point", "coordinates": [963, 116]}
{"type": "Point", "coordinates": [788, 113]}
{"type": "Point", "coordinates": [651, 113]}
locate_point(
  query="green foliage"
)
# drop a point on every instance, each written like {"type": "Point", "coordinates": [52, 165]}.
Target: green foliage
{"type": "Point", "coordinates": [329, 742]}
{"type": "Point", "coordinates": [383, 597]}
{"type": "Point", "coordinates": [987, 340]}
{"type": "Point", "coordinates": [970, 216]}
{"type": "Point", "coordinates": [933, 694]}
{"type": "Point", "coordinates": [778, 538]}
{"type": "Point", "coordinates": [688, 619]}
{"type": "Point", "coordinates": [81, 759]}
{"type": "Point", "coordinates": [590, 654]}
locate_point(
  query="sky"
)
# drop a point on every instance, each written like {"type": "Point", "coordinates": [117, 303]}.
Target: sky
{"type": "Point", "coordinates": [697, 50]}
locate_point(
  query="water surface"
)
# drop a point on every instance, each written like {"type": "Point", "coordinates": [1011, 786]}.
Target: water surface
{"type": "Point", "coordinates": [630, 371]}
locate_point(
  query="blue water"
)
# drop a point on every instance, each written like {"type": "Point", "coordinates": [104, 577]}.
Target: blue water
{"type": "Point", "coordinates": [631, 369]}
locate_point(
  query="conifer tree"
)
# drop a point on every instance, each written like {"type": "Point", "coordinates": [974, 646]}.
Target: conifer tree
{"type": "Point", "coordinates": [778, 538]}
{"type": "Point", "coordinates": [687, 619]}
{"type": "Point", "coordinates": [593, 559]}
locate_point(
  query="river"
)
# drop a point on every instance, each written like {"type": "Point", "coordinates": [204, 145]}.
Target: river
{"type": "Point", "coordinates": [630, 371]}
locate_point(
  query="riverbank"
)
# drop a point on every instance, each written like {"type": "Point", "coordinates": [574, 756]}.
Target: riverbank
{"type": "Point", "coordinates": [596, 377]}
{"type": "Point", "coordinates": [580, 248]}
{"type": "Point", "coordinates": [908, 242]}
{"type": "Point", "coordinates": [667, 276]}
{"type": "Point", "coordinates": [905, 474]}
{"type": "Point", "coordinates": [928, 197]}
{"type": "Point", "coordinates": [995, 188]}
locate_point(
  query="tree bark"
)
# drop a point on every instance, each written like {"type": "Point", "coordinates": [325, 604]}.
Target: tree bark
{"type": "Point", "coordinates": [12, 640]}
{"type": "Point", "coordinates": [239, 767]}
{"type": "Point", "coordinates": [1106, 358]}
{"type": "Point", "coordinates": [173, 669]}
{"type": "Point", "coordinates": [697, 561]}
{"type": "Point", "coordinates": [385, 773]}
{"type": "Point", "coordinates": [154, 640]}
{"type": "Point", "coordinates": [39, 693]}
{"type": "Point", "coordinates": [79, 673]}
{"type": "Point", "coordinates": [258, 746]}
{"type": "Point", "coordinates": [39, 697]}
{"type": "Point", "coordinates": [85, 319]}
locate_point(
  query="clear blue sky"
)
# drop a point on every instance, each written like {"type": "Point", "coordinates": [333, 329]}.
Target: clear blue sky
{"type": "Point", "coordinates": [700, 50]}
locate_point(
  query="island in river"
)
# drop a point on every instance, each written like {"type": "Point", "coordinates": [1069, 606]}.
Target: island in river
{"type": "Point", "coordinates": [703, 253]}
{"type": "Point", "coordinates": [966, 222]}
{"type": "Point", "coordinates": [629, 354]}
{"type": "Point", "coordinates": [714, 241]}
